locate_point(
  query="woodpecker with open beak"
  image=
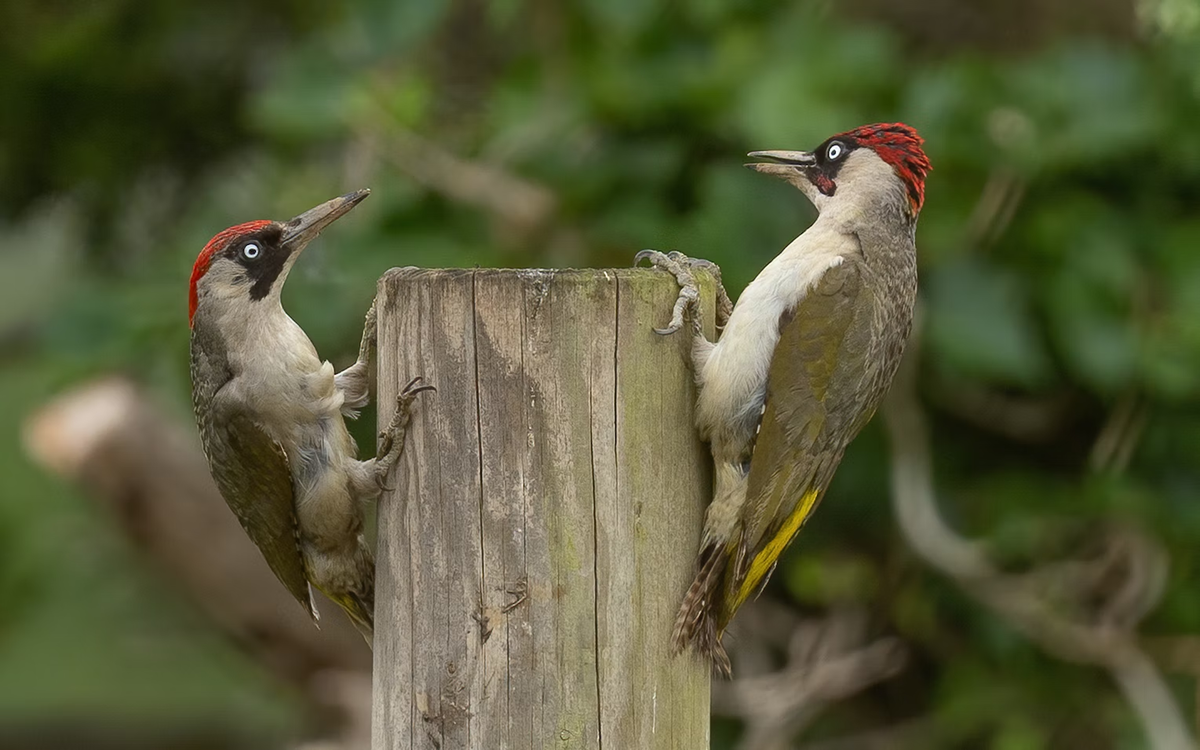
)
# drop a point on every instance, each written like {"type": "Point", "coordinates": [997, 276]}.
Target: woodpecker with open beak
{"type": "Point", "coordinates": [804, 359]}
{"type": "Point", "coordinates": [270, 414]}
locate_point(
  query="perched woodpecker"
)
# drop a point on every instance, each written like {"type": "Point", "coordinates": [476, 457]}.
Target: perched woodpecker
{"type": "Point", "coordinates": [270, 414]}
{"type": "Point", "coordinates": [804, 359]}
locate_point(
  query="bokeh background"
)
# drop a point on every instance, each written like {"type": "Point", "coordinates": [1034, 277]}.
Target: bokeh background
{"type": "Point", "coordinates": [1057, 387]}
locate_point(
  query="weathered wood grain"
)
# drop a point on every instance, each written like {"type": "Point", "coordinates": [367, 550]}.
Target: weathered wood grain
{"type": "Point", "coordinates": [545, 517]}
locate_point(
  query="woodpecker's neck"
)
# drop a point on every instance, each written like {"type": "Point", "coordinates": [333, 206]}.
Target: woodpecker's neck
{"type": "Point", "coordinates": [247, 328]}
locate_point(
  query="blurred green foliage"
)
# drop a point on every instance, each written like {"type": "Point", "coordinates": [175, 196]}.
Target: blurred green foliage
{"type": "Point", "coordinates": [1060, 279]}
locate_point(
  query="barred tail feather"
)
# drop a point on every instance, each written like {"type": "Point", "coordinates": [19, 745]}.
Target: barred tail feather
{"type": "Point", "coordinates": [696, 623]}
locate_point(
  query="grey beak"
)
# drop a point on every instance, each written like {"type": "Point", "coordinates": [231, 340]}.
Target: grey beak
{"type": "Point", "coordinates": [791, 158]}
{"type": "Point", "coordinates": [304, 228]}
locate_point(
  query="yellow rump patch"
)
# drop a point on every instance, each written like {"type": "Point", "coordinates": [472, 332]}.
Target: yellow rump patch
{"type": "Point", "coordinates": [762, 562]}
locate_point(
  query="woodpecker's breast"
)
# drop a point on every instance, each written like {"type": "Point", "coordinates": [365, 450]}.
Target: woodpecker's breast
{"type": "Point", "coordinates": [287, 385]}
{"type": "Point", "coordinates": [733, 380]}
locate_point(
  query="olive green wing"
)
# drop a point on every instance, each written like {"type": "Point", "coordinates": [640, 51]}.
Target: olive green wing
{"type": "Point", "coordinates": [249, 467]}
{"type": "Point", "coordinates": [256, 482]}
{"type": "Point", "coordinates": [810, 413]}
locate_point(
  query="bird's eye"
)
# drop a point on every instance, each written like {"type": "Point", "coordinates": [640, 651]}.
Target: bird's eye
{"type": "Point", "coordinates": [835, 151]}
{"type": "Point", "coordinates": [250, 251]}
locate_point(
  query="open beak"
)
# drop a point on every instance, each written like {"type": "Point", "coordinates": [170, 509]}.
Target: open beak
{"type": "Point", "coordinates": [781, 163]}
{"type": "Point", "coordinates": [304, 228]}
{"type": "Point", "coordinates": [786, 165]}
{"type": "Point", "coordinates": [793, 158]}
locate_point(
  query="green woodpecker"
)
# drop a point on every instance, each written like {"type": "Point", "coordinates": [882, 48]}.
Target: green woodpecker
{"type": "Point", "coordinates": [270, 414]}
{"type": "Point", "coordinates": [804, 359]}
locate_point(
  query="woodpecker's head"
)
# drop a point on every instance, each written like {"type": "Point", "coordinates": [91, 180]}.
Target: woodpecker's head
{"type": "Point", "coordinates": [248, 264]}
{"type": "Point", "coordinates": [872, 163]}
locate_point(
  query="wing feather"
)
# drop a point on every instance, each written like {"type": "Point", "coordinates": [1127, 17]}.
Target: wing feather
{"type": "Point", "coordinates": [810, 414]}
{"type": "Point", "coordinates": [251, 471]}
{"type": "Point", "coordinates": [260, 494]}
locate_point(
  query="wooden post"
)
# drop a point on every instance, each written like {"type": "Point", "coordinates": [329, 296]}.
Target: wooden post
{"type": "Point", "coordinates": [546, 513]}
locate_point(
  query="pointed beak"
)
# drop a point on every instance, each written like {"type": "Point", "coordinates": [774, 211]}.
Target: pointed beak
{"type": "Point", "coordinates": [781, 163]}
{"type": "Point", "coordinates": [304, 228]}
{"type": "Point", "coordinates": [793, 158]}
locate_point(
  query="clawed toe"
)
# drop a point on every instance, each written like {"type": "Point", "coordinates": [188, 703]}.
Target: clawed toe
{"type": "Point", "coordinates": [724, 304]}
{"type": "Point", "coordinates": [649, 255]}
{"type": "Point", "coordinates": [687, 304]}
{"type": "Point", "coordinates": [382, 484]}
{"type": "Point", "coordinates": [399, 422]}
{"type": "Point", "coordinates": [408, 394]}
{"type": "Point", "coordinates": [686, 308]}
{"type": "Point", "coordinates": [658, 258]}
{"type": "Point", "coordinates": [675, 262]}
{"type": "Point", "coordinates": [391, 438]}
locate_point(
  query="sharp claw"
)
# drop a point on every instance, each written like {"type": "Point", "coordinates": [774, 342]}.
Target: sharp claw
{"type": "Point", "coordinates": [679, 266]}
{"type": "Point", "coordinates": [388, 444]}
{"type": "Point", "coordinates": [646, 255]}
{"type": "Point", "coordinates": [382, 485]}
{"type": "Point", "coordinates": [412, 389]}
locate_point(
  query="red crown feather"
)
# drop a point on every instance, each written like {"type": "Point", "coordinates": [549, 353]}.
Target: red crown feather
{"type": "Point", "coordinates": [900, 146]}
{"type": "Point", "coordinates": [214, 246]}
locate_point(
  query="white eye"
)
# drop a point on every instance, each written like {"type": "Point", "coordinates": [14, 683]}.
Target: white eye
{"type": "Point", "coordinates": [250, 251]}
{"type": "Point", "coordinates": [834, 151]}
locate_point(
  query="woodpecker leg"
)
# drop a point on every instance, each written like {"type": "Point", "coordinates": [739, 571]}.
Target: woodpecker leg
{"type": "Point", "coordinates": [355, 381]}
{"type": "Point", "coordinates": [687, 305]}
{"type": "Point", "coordinates": [391, 438]}
{"type": "Point", "coordinates": [724, 304]}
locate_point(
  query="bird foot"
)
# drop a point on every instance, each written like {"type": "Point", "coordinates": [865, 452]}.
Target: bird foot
{"type": "Point", "coordinates": [354, 381]}
{"type": "Point", "coordinates": [370, 331]}
{"type": "Point", "coordinates": [391, 438]}
{"type": "Point", "coordinates": [687, 305]}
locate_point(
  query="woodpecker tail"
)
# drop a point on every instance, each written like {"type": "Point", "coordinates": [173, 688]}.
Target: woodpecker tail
{"type": "Point", "coordinates": [361, 612]}
{"type": "Point", "coordinates": [365, 629]}
{"type": "Point", "coordinates": [696, 623]}
{"type": "Point", "coordinates": [364, 621]}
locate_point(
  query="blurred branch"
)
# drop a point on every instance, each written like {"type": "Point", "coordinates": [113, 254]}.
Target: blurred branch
{"type": "Point", "coordinates": [827, 660]}
{"type": "Point", "coordinates": [510, 197]}
{"type": "Point", "coordinates": [526, 211]}
{"type": "Point", "coordinates": [998, 203]}
{"type": "Point", "coordinates": [1119, 437]}
{"type": "Point", "coordinates": [1072, 611]}
{"type": "Point", "coordinates": [1021, 418]}
{"type": "Point", "coordinates": [1179, 654]}
{"type": "Point", "coordinates": [152, 478]}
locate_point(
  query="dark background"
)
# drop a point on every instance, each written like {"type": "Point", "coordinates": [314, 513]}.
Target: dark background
{"type": "Point", "coordinates": [1060, 277]}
